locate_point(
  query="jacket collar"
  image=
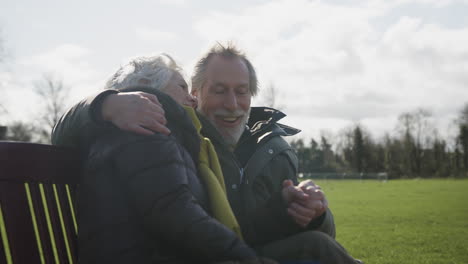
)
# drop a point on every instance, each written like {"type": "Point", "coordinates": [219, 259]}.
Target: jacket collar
{"type": "Point", "coordinates": [262, 121]}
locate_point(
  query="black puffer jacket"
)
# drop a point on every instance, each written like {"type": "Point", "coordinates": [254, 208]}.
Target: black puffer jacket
{"type": "Point", "coordinates": [142, 202]}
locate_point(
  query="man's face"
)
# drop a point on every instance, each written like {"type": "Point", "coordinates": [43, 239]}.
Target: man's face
{"type": "Point", "coordinates": [225, 96]}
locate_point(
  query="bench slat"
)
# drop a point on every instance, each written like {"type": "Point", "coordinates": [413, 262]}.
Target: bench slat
{"type": "Point", "coordinates": [18, 223]}
{"type": "Point", "coordinates": [5, 252]}
{"type": "Point", "coordinates": [37, 190]}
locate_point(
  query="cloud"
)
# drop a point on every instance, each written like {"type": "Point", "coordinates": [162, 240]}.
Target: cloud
{"type": "Point", "coordinates": [154, 35]}
{"type": "Point", "coordinates": [65, 52]}
{"type": "Point", "coordinates": [435, 3]}
{"type": "Point", "coordinates": [67, 60]}
{"type": "Point", "coordinates": [427, 60]}
{"type": "Point", "coordinates": [177, 3]}
{"type": "Point", "coordinates": [332, 62]}
{"type": "Point", "coordinates": [385, 5]}
{"type": "Point", "coordinates": [5, 79]}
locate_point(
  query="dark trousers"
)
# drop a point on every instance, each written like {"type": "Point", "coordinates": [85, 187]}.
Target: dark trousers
{"type": "Point", "coordinates": [307, 247]}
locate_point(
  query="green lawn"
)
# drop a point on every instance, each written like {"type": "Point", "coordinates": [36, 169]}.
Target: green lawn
{"type": "Point", "coordinates": [401, 221]}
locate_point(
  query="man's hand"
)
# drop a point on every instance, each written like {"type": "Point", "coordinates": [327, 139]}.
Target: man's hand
{"type": "Point", "coordinates": [316, 195]}
{"type": "Point", "coordinates": [306, 201]}
{"type": "Point", "coordinates": [293, 193]}
{"type": "Point", "coordinates": [137, 112]}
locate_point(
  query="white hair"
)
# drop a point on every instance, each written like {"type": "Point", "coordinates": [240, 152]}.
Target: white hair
{"type": "Point", "coordinates": [152, 71]}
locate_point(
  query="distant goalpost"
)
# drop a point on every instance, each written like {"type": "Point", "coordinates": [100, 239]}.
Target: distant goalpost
{"type": "Point", "coordinates": [380, 176]}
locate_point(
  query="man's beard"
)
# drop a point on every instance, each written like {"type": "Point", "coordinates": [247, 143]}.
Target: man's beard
{"type": "Point", "coordinates": [231, 135]}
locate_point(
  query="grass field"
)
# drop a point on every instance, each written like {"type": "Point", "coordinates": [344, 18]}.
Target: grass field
{"type": "Point", "coordinates": [401, 221]}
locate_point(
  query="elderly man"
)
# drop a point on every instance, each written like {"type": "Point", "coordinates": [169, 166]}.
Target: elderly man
{"type": "Point", "coordinates": [282, 221]}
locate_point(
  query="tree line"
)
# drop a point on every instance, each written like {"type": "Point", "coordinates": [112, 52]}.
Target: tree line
{"type": "Point", "coordinates": [416, 150]}
{"type": "Point", "coordinates": [51, 96]}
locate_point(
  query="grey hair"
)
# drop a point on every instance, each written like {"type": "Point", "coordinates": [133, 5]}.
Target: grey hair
{"type": "Point", "coordinates": [227, 51]}
{"type": "Point", "coordinates": [152, 71]}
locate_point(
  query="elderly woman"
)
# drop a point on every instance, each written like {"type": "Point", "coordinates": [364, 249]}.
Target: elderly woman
{"type": "Point", "coordinates": [145, 199]}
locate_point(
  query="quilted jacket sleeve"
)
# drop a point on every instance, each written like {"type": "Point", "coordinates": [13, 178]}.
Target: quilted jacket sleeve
{"type": "Point", "coordinates": [156, 172]}
{"type": "Point", "coordinates": [267, 229]}
{"type": "Point", "coordinates": [75, 127]}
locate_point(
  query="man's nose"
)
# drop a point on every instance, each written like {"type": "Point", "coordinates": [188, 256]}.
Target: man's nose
{"type": "Point", "coordinates": [230, 101]}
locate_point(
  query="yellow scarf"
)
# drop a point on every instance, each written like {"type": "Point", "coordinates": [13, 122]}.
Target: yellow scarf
{"type": "Point", "coordinates": [212, 175]}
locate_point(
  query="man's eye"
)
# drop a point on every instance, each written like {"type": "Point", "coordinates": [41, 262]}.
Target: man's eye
{"type": "Point", "coordinates": [242, 91]}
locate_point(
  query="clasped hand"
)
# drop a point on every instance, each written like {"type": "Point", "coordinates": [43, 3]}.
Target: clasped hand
{"type": "Point", "coordinates": [306, 201]}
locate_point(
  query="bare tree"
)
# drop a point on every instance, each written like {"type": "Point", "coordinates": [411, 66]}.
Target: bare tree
{"type": "Point", "coordinates": [3, 110]}
{"type": "Point", "coordinates": [417, 124]}
{"type": "Point", "coordinates": [270, 97]}
{"type": "Point", "coordinates": [20, 131]}
{"type": "Point", "coordinates": [2, 48]}
{"type": "Point", "coordinates": [53, 93]}
{"type": "Point", "coordinates": [417, 134]}
{"type": "Point", "coordinates": [462, 138]}
{"type": "Point", "coordinates": [3, 131]}
{"type": "Point", "coordinates": [463, 119]}
{"type": "Point", "coordinates": [344, 144]}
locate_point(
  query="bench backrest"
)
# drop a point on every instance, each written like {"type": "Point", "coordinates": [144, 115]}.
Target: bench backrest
{"type": "Point", "coordinates": [37, 212]}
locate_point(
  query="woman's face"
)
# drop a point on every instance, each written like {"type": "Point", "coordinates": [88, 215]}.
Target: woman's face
{"type": "Point", "coordinates": [177, 88]}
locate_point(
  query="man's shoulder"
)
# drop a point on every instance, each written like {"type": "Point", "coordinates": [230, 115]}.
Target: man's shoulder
{"type": "Point", "coordinates": [272, 146]}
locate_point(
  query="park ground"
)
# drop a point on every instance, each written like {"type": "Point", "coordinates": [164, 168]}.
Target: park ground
{"type": "Point", "coordinates": [401, 221]}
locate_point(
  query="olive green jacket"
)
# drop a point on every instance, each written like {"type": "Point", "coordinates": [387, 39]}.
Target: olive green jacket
{"type": "Point", "coordinates": [254, 173]}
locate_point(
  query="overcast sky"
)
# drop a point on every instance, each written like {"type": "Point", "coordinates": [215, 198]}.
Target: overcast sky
{"type": "Point", "coordinates": [334, 63]}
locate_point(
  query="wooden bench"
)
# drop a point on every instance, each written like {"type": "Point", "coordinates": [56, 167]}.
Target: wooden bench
{"type": "Point", "coordinates": [37, 211]}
